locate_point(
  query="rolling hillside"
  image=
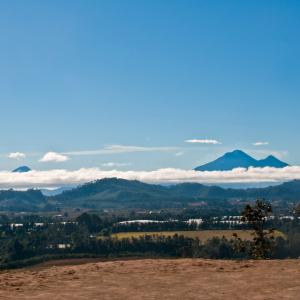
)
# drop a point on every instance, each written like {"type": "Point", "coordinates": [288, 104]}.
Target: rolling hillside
{"type": "Point", "coordinates": [125, 194]}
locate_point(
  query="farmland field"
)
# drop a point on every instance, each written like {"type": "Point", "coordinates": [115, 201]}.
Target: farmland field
{"type": "Point", "coordinates": [203, 235]}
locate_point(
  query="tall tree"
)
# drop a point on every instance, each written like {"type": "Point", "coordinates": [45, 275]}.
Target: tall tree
{"type": "Point", "coordinates": [263, 240]}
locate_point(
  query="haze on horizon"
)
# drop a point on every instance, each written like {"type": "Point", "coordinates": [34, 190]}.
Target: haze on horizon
{"type": "Point", "coordinates": [139, 86]}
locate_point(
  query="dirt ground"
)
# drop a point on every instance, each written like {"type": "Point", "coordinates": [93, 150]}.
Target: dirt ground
{"type": "Point", "coordinates": [154, 279]}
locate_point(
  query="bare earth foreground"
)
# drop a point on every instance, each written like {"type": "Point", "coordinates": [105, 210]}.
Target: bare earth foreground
{"type": "Point", "coordinates": [155, 279]}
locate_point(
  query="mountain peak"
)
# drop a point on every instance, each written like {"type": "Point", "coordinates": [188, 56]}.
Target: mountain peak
{"type": "Point", "coordinates": [22, 169]}
{"type": "Point", "coordinates": [272, 161]}
{"type": "Point", "coordinates": [240, 159]}
{"type": "Point", "coordinates": [236, 153]}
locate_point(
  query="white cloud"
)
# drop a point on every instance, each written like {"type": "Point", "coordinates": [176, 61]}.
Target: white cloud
{"type": "Point", "coordinates": [115, 164]}
{"type": "Point", "coordinates": [260, 144]}
{"type": "Point", "coordinates": [56, 178]}
{"type": "Point", "coordinates": [203, 141]}
{"type": "Point", "coordinates": [17, 155]}
{"type": "Point", "coordinates": [54, 157]}
{"type": "Point", "coordinates": [179, 153]}
{"type": "Point", "coordinates": [115, 149]}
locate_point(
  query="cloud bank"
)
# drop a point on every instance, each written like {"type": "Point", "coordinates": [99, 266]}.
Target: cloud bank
{"type": "Point", "coordinates": [60, 177]}
{"type": "Point", "coordinates": [203, 141]}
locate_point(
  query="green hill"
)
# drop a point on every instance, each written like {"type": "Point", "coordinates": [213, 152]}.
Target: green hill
{"type": "Point", "coordinates": [127, 194]}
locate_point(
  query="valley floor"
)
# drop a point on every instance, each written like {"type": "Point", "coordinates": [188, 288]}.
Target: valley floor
{"type": "Point", "coordinates": [154, 279]}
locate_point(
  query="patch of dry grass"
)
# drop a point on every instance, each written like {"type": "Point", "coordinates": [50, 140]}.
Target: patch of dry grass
{"type": "Point", "coordinates": [150, 279]}
{"type": "Point", "coordinates": [203, 235]}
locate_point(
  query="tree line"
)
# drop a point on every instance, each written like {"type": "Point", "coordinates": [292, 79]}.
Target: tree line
{"type": "Point", "coordinates": [90, 235]}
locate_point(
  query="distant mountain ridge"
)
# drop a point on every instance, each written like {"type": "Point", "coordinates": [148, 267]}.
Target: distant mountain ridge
{"type": "Point", "coordinates": [113, 193]}
{"type": "Point", "coordinates": [57, 191]}
{"type": "Point", "coordinates": [22, 169]}
{"type": "Point", "coordinates": [240, 159]}
{"type": "Point", "coordinates": [121, 193]}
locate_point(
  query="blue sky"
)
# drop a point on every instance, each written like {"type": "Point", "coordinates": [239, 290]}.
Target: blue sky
{"type": "Point", "coordinates": [85, 75]}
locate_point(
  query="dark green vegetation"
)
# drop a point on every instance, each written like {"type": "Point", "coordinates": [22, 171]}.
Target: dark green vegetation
{"type": "Point", "coordinates": [240, 159]}
{"type": "Point", "coordinates": [59, 228]}
{"type": "Point", "coordinates": [91, 235]}
{"type": "Point", "coordinates": [31, 200]}
{"type": "Point", "coordinates": [262, 245]}
{"type": "Point", "coordinates": [125, 194]}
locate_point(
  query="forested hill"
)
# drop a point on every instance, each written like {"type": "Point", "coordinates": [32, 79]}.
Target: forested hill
{"type": "Point", "coordinates": [116, 193]}
{"type": "Point", "coordinates": [288, 191]}
{"type": "Point", "coordinates": [31, 200]}
{"type": "Point", "coordinates": [120, 193]}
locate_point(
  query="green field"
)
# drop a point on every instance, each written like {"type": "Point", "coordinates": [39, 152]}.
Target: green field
{"type": "Point", "coordinates": [203, 235]}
